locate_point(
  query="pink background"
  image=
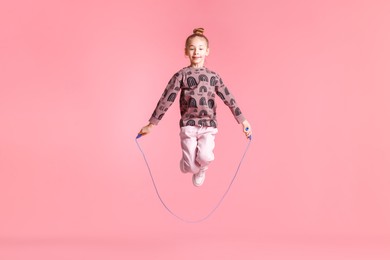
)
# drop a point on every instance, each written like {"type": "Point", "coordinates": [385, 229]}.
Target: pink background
{"type": "Point", "coordinates": [80, 78]}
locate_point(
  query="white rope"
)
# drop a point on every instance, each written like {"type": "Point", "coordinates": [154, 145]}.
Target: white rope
{"type": "Point", "coordinates": [216, 206]}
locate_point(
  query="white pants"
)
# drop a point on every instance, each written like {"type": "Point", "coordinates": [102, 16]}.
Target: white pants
{"type": "Point", "coordinates": [197, 144]}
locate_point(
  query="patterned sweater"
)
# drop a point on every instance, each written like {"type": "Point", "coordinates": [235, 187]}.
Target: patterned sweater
{"type": "Point", "coordinates": [197, 88]}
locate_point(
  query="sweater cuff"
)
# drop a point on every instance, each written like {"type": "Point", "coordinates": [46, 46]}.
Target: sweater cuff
{"type": "Point", "coordinates": [240, 119]}
{"type": "Point", "coordinates": [154, 120]}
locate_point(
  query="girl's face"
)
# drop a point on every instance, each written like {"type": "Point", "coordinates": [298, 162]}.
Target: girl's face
{"type": "Point", "coordinates": [197, 50]}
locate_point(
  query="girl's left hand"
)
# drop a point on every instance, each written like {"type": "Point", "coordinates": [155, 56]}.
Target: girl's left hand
{"type": "Point", "coordinates": [247, 128]}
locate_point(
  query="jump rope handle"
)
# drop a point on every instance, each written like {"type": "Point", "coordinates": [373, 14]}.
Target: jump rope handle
{"type": "Point", "coordinates": [250, 137]}
{"type": "Point", "coordinates": [138, 136]}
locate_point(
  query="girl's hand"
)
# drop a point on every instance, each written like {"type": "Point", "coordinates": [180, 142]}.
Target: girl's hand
{"type": "Point", "coordinates": [247, 128]}
{"type": "Point", "coordinates": [146, 129]}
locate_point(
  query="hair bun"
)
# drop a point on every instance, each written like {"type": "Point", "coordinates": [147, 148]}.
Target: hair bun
{"type": "Point", "coordinates": [198, 31]}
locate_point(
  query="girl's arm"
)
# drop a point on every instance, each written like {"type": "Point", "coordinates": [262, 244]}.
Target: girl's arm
{"type": "Point", "coordinates": [166, 100]}
{"type": "Point", "coordinates": [229, 100]}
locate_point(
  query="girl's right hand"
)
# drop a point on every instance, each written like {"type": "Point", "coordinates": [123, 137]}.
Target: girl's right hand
{"type": "Point", "coordinates": [146, 129]}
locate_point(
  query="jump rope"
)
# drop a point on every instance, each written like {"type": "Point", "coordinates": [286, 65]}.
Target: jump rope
{"type": "Point", "coordinates": [219, 202]}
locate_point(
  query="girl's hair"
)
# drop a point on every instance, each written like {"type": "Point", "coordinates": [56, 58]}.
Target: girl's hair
{"type": "Point", "coordinates": [197, 32]}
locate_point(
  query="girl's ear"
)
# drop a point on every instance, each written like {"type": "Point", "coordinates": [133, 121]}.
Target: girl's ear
{"type": "Point", "coordinates": [207, 52]}
{"type": "Point", "coordinates": [185, 52]}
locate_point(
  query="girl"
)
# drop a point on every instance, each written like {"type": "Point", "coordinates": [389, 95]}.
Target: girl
{"type": "Point", "coordinates": [197, 86]}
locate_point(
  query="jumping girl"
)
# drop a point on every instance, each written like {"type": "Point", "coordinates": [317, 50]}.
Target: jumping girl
{"type": "Point", "coordinates": [197, 87]}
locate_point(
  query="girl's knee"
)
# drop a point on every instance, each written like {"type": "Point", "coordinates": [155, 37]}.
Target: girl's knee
{"type": "Point", "coordinates": [205, 157]}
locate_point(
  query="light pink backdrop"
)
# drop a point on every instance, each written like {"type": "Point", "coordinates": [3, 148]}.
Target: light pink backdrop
{"type": "Point", "coordinates": [78, 79]}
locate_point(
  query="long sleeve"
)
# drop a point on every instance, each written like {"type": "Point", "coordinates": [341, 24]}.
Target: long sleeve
{"type": "Point", "coordinates": [168, 97]}
{"type": "Point", "coordinates": [229, 100]}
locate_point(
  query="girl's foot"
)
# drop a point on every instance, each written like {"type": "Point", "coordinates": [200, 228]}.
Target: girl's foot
{"type": "Point", "coordinates": [198, 178]}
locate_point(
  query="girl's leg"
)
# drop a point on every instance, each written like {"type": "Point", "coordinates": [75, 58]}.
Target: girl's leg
{"type": "Point", "coordinates": [206, 144]}
{"type": "Point", "coordinates": [189, 143]}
